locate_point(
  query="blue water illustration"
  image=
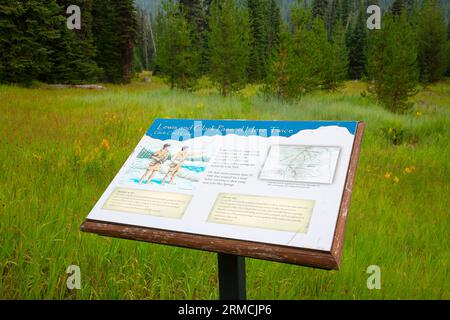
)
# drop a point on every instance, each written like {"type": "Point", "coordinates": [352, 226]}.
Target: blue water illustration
{"type": "Point", "coordinates": [145, 181]}
{"type": "Point", "coordinates": [194, 168]}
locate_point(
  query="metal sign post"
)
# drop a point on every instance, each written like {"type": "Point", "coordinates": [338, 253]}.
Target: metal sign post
{"type": "Point", "coordinates": [232, 283]}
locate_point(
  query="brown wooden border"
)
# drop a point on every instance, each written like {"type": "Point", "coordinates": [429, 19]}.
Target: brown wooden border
{"type": "Point", "coordinates": [285, 254]}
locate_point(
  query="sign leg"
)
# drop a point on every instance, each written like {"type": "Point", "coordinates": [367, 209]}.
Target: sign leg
{"type": "Point", "coordinates": [232, 285]}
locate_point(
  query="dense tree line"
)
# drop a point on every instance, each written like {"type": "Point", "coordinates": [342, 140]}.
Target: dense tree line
{"type": "Point", "coordinates": [323, 43]}
{"type": "Point", "coordinates": [232, 42]}
{"type": "Point", "coordinates": [35, 43]}
{"type": "Point", "coordinates": [412, 46]}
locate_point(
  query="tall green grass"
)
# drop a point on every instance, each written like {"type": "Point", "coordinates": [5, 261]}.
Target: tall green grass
{"type": "Point", "coordinates": [54, 165]}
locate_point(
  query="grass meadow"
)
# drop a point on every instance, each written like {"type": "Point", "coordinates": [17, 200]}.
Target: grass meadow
{"type": "Point", "coordinates": [60, 148]}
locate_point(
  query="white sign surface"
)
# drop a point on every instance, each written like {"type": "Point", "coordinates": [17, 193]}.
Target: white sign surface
{"type": "Point", "coordinates": [277, 182]}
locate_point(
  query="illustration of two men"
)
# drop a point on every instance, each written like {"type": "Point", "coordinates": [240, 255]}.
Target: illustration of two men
{"type": "Point", "coordinates": [158, 159]}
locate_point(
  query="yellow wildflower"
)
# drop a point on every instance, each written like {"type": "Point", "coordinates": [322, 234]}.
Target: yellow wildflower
{"type": "Point", "coordinates": [408, 170]}
{"type": "Point", "coordinates": [105, 144]}
{"type": "Point", "coordinates": [418, 114]}
{"type": "Point", "coordinates": [396, 179]}
{"type": "Point", "coordinates": [77, 148]}
{"type": "Point", "coordinates": [387, 175]}
{"type": "Point", "coordinates": [37, 157]}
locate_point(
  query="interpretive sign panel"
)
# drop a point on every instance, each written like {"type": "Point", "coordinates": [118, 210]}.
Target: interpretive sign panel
{"type": "Point", "coordinates": [276, 190]}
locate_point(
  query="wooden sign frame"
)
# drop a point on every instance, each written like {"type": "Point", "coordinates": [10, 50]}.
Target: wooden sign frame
{"type": "Point", "coordinates": [329, 260]}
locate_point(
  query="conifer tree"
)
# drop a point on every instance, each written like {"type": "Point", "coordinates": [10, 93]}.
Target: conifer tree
{"type": "Point", "coordinates": [336, 66]}
{"type": "Point", "coordinates": [126, 31]}
{"type": "Point", "coordinates": [448, 30]}
{"type": "Point", "coordinates": [306, 75]}
{"type": "Point", "coordinates": [265, 27]}
{"type": "Point", "coordinates": [448, 50]}
{"type": "Point", "coordinates": [320, 9]}
{"type": "Point", "coordinates": [26, 30]}
{"type": "Point", "coordinates": [73, 54]}
{"type": "Point", "coordinates": [105, 37]}
{"type": "Point", "coordinates": [432, 41]}
{"type": "Point", "coordinates": [301, 62]}
{"type": "Point", "coordinates": [274, 25]}
{"type": "Point", "coordinates": [114, 29]}
{"type": "Point", "coordinates": [316, 52]}
{"type": "Point", "coordinates": [257, 64]}
{"type": "Point", "coordinates": [392, 63]}
{"type": "Point", "coordinates": [398, 6]}
{"type": "Point", "coordinates": [177, 57]}
{"type": "Point", "coordinates": [228, 45]}
{"type": "Point", "coordinates": [196, 13]}
{"type": "Point", "coordinates": [37, 45]}
{"type": "Point", "coordinates": [278, 80]}
{"type": "Point", "coordinates": [357, 44]}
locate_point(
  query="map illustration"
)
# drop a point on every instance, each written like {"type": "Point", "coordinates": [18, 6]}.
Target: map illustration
{"type": "Point", "coordinates": [299, 163]}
